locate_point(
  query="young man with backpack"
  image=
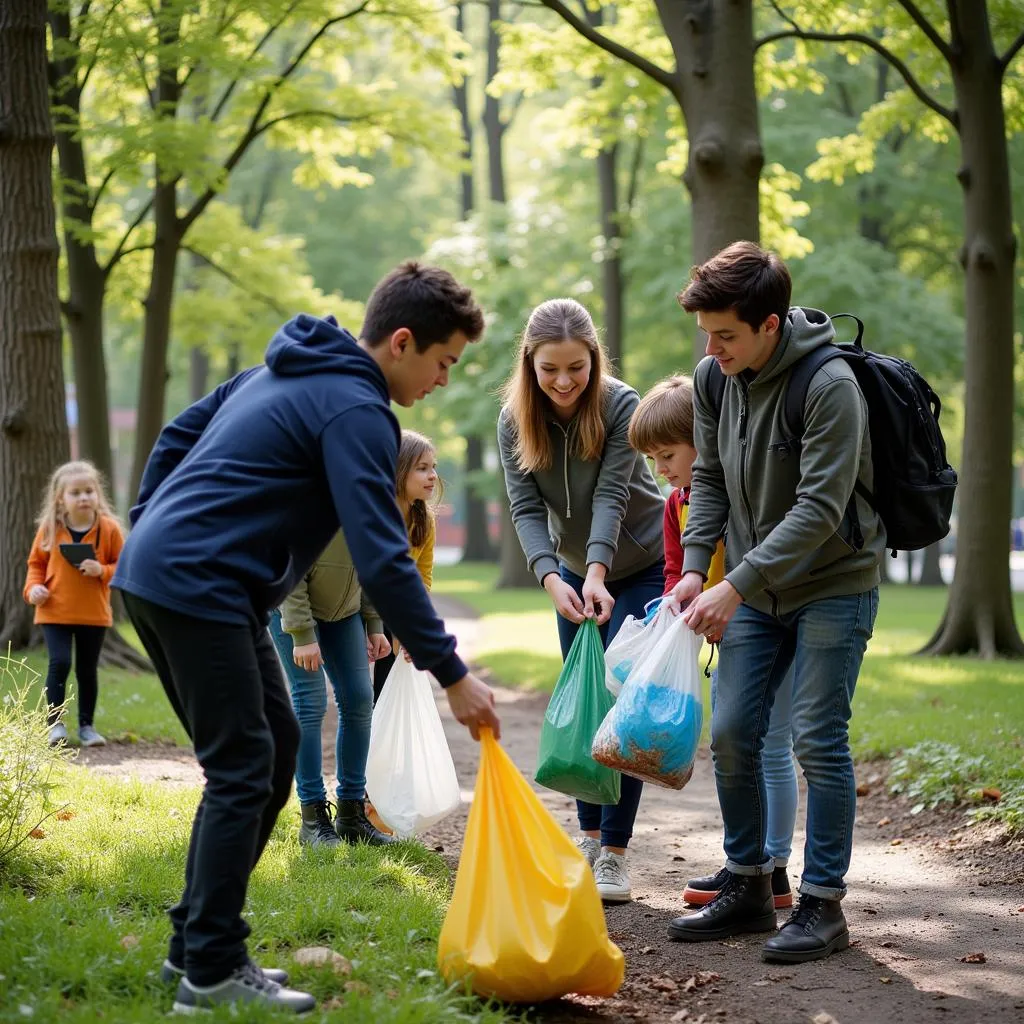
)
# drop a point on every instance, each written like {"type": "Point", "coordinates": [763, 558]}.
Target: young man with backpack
{"type": "Point", "coordinates": [803, 552]}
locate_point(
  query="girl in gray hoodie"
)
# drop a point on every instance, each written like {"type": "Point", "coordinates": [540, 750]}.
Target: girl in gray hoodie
{"type": "Point", "coordinates": [588, 514]}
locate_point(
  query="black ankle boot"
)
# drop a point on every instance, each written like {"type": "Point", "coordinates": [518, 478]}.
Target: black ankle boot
{"type": "Point", "coordinates": [815, 930]}
{"type": "Point", "coordinates": [317, 828]}
{"type": "Point", "coordinates": [743, 904]}
{"type": "Point", "coordinates": [355, 827]}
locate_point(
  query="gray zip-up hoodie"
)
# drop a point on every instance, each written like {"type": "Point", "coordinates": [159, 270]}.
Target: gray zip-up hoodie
{"type": "Point", "coordinates": [606, 510]}
{"type": "Point", "coordinates": [790, 540]}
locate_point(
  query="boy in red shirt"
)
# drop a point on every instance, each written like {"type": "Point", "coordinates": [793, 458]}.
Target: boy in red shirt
{"type": "Point", "coordinates": [662, 429]}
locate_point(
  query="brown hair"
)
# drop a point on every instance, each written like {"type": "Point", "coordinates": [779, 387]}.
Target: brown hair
{"type": "Point", "coordinates": [744, 278]}
{"type": "Point", "coordinates": [427, 301]}
{"type": "Point", "coordinates": [664, 416]}
{"type": "Point", "coordinates": [554, 321]}
{"type": "Point", "coordinates": [52, 510]}
{"type": "Point", "coordinates": [413, 447]}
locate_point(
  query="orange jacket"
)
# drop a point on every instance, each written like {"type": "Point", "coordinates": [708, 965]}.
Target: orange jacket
{"type": "Point", "coordinates": [75, 599]}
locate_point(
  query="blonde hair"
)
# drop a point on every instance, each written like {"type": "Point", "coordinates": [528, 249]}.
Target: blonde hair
{"type": "Point", "coordinates": [413, 447]}
{"type": "Point", "coordinates": [51, 510]}
{"type": "Point", "coordinates": [555, 321]}
{"type": "Point", "coordinates": [664, 416]}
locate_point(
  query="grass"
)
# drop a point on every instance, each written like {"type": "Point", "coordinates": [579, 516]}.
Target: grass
{"type": "Point", "coordinates": [901, 700]}
{"type": "Point", "coordinates": [83, 928]}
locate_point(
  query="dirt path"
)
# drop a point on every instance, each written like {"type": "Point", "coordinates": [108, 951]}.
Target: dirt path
{"type": "Point", "coordinates": [915, 908]}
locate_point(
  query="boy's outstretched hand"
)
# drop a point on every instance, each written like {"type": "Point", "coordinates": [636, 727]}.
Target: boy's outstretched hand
{"type": "Point", "coordinates": [689, 587]}
{"type": "Point", "coordinates": [472, 704]}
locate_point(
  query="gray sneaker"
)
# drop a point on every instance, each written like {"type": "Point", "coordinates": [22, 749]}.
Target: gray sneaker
{"type": "Point", "coordinates": [58, 734]}
{"type": "Point", "coordinates": [246, 985]}
{"type": "Point", "coordinates": [89, 737]}
{"type": "Point", "coordinates": [589, 847]}
{"type": "Point", "coordinates": [612, 878]}
{"type": "Point", "coordinates": [171, 972]}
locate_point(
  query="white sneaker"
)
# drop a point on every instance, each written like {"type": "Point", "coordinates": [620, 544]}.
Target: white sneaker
{"type": "Point", "coordinates": [612, 878]}
{"type": "Point", "coordinates": [89, 737]}
{"type": "Point", "coordinates": [589, 847]}
{"type": "Point", "coordinates": [58, 734]}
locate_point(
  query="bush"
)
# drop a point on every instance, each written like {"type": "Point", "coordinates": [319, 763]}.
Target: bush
{"type": "Point", "coordinates": [27, 761]}
{"type": "Point", "coordinates": [932, 773]}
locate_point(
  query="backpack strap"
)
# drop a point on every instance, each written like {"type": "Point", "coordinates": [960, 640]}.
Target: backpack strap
{"type": "Point", "coordinates": [800, 376]}
{"type": "Point", "coordinates": [716, 388]}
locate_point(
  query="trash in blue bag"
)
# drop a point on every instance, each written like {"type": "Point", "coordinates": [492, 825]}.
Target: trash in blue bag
{"type": "Point", "coordinates": [653, 731]}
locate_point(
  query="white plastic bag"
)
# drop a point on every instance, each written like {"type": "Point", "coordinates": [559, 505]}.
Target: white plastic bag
{"type": "Point", "coordinates": [410, 774]}
{"type": "Point", "coordinates": [653, 731]}
{"type": "Point", "coordinates": [635, 639]}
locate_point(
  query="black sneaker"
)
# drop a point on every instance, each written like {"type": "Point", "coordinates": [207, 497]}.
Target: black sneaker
{"type": "Point", "coordinates": [317, 826]}
{"type": "Point", "coordinates": [171, 972]}
{"type": "Point", "coordinates": [353, 826]}
{"type": "Point", "coordinates": [701, 891]}
{"type": "Point", "coordinates": [743, 904]}
{"type": "Point", "coordinates": [815, 930]}
{"type": "Point", "coordinates": [248, 984]}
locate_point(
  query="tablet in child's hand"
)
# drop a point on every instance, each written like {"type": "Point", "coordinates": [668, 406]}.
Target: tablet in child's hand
{"type": "Point", "coordinates": [76, 554]}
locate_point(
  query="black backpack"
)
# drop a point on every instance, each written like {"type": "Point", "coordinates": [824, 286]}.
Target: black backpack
{"type": "Point", "coordinates": [914, 484]}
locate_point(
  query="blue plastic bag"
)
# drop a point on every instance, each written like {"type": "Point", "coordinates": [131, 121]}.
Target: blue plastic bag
{"type": "Point", "coordinates": [653, 731]}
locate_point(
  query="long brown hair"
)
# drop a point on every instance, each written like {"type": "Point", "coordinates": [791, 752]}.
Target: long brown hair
{"type": "Point", "coordinates": [554, 321]}
{"type": "Point", "coordinates": [413, 448]}
{"type": "Point", "coordinates": [52, 511]}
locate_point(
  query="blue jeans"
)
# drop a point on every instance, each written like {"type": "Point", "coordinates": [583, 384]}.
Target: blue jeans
{"type": "Point", "coordinates": [631, 594]}
{"type": "Point", "coordinates": [824, 642]}
{"type": "Point", "coordinates": [343, 646]}
{"type": "Point", "coordinates": [782, 793]}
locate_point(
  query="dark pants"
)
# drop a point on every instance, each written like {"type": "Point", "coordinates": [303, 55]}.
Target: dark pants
{"type": "Point", "coordinates": [88, 640]}
{"type": "Point", "coordinates": [381, 668]}
{"type": "Point", "coordinates": [226, 686]}
{"type": "Point", "coordinates": [615, 821]}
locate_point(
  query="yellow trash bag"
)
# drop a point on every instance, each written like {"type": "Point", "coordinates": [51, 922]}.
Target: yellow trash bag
{"type": "Point", "coordinates": [525, 922]}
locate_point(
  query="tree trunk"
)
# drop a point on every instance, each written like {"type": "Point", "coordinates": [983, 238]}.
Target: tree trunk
{"type": "Point", "coordinates": [87, 280]}
{"type": "Point", "coordinates": [33, 426]}
{"type": "Point", "coordinates": [156, 334]}
{"type": "Point", "coordinates": [198, 372]}
{"type": "Point", "coordinates": [979, 617]}
{"type": "Point", "coordinates": [713, 43]}
{"type": "Point", "coordinates": [493, 125]}
{"type": "Point", "coordinates": [461, 97]}
{"type": "Point", "coordinates": [612, 285]}
{"type": "Point", "coordinates": [515, 573]}
{"type": "Point", "coordinates": [478, 539]}
{"type": "Point", "coordinates": [931, 569]}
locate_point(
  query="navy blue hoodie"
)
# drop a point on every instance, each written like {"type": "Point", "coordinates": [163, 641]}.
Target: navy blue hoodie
{"type": "Point", "coordinates": [246, 487]}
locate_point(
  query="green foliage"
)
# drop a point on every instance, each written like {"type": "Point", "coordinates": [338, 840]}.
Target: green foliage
{"type": "Point", "coordinates": [27, 761]}
{"type": "Point", "coordinates": [84, 933]}
{"type": "Point", "coordinates": [933, 773]}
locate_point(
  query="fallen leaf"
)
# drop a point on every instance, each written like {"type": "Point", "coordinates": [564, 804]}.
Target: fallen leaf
{"type": "Point", "coordinates": [896, 842]}
{"type": "Point", "coordinates": [1020, 910]}
{"type": "Point", "coordinates": [884, 821]}
{"type": "Point", "coordinates": [679, 856]}
{"type": "Point", "coordinates": [695, 981]}
{"type": "Point", "coordinates": [65, 815]}
{"type": "Point", "coordinates": [37, 833]}
{"type": "Point", "coordinates": [888, 945]}
{"type": "Point", "coordinates": [667, 985]}
{"type": "Point", "coordinates": [357, 988]}
{"type": "Point", "coordinates": [129, 941]}
{"type": "Point", "coordinates": [973, 958]}
{"type": "Point", "coordinates": [869, 910]}
{"type": "Point", "coordinates": [681, 1015]}
{"type": "Point", "coordinates": [761, 984]}
{"type": "Point", "coordinates": [885, 979]}
{"type": "Point", "coordinates": [321, 956]}
{"type": "Point", "coordinates": [334, 1003]}
{"type": "Point", "coordinates": [821, 1017]}
{"type": "Point", "coordinates": [863, 789]}
{"type": "Point", "coordinates": [991, 793]}
{"type": "Point", "coordinates": [648, 949]}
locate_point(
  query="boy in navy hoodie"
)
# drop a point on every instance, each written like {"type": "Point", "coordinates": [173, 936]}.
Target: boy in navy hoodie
{"type": "Point", "coordinates": [241, 494]}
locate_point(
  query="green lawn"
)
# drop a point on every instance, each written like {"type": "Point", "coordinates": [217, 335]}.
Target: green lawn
{"type": "Point", "coordinates": [901, 700]}
{"type": "Point", "coordinates": [83, 927]}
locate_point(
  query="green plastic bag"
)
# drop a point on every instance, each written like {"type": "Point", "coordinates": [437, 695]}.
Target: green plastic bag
{"type": "Point", "coordinates": [577, 708]}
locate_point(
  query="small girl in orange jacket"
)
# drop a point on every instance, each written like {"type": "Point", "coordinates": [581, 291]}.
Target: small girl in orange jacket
{"type": "Point", "coordinates": [71, 593]}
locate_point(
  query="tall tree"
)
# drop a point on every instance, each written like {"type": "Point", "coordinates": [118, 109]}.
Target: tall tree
{"type": "Point", "coordinates": [33, 427]}
{"type": "Point", "coordinates": [979, 615]}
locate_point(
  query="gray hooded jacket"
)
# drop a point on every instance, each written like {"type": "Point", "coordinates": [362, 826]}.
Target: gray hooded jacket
{"type": "Point", "coordinates": [576, 512]}
{"type": "Point", "coordinates": [782, 502]}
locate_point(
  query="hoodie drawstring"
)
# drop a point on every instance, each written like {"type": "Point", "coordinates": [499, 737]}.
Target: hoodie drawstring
{"type": "Point", "coordinates": [565, 471]}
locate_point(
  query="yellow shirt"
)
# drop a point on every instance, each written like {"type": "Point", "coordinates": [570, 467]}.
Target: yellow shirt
{"type": "Point", "coordinates": [423, 555]}
{"type": "Point", "coordinates": [716, 571]}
